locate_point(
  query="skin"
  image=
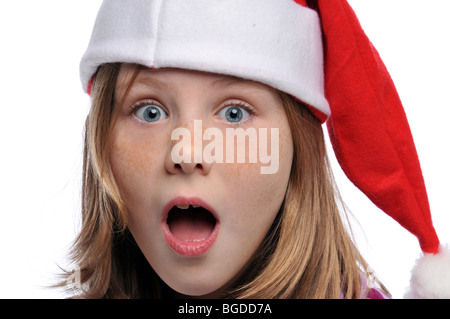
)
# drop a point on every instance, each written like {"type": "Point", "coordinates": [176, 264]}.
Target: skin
{"type": "Point", "coordinates": [245, 201]}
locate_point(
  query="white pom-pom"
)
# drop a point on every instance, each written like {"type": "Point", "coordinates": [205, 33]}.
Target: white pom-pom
{"type": "Point", "coordinates": [430, 277]}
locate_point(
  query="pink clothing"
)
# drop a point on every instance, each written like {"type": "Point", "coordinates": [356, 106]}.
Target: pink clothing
{"type": "Point", "coordinates": [373, 293]}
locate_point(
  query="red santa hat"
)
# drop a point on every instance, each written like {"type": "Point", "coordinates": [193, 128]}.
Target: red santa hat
{"type": "Point", "coordinates": [323, 58]}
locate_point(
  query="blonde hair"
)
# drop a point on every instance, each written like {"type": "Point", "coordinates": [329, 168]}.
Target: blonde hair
{"type": "Point", "coordinates": [307, 253]}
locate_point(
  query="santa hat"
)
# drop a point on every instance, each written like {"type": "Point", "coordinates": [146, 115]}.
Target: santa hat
{"type": "Point", "coordinates": [321, 57]}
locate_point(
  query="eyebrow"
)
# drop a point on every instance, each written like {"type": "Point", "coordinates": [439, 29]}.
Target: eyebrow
{"type": "Point", "coordinates": [153, 82]}
{"type": "Point", "coordinates": [231, 81]}
{"type": "Point", "coordinates": [134, 79]}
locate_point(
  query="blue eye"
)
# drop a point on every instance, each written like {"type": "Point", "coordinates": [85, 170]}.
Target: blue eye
{"type": "Point", "coordinates": [150, 113]}
{"type": "Point", "coordinates": [233, 114]}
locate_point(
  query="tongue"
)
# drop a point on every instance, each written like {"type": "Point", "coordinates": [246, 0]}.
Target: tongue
{"type": "Point", "coordinates": [190, 225]}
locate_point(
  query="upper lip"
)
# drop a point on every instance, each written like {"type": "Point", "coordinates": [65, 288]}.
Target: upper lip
{"type": "Point", "coordinates": [183, 201]}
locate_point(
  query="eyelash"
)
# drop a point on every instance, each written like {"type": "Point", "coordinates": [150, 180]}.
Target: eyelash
{"type": "Point", "coordinates": [142, 103]}
{"type": "Point", "coordinates": [250, 109]}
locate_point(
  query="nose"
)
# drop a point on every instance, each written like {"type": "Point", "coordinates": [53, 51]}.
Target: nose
{"type": "Point", "coordinates": [189, 168]}
{"type": "Point", "coordinates": [185, 156]}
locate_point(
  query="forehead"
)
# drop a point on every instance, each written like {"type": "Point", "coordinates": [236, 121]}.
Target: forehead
{"type": "Point", "coordinates": [142, 77]}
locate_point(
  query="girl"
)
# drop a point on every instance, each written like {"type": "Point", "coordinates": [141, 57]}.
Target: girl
{"type": "Point", "coordinates": [164, 215]}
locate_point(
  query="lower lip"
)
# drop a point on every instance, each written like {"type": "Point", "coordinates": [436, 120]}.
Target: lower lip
{"type": "Point", "coordinates": [188, 248]}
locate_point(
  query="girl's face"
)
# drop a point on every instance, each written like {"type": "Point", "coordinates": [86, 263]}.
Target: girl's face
{"type": "Point", "coordinates": [199, 223]}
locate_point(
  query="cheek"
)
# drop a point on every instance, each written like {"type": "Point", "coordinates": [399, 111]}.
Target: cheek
{"type": "Point", "coordinates": [259, 195]}
{"type": "Point", "coordinates": [134, 158]}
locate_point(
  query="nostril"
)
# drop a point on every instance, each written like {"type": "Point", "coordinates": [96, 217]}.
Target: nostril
{"type": "Point", "coordinates": [188, 168]}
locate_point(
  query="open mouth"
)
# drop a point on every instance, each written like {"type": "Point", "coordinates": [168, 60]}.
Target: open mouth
{"type": "Point", "coordinates": [190, 224]}
{"type": "Point", "coordinates": [190, 227]}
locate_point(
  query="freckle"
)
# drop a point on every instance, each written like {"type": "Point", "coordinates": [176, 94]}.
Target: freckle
{"type": "Point", "coordinates": [134, 158]}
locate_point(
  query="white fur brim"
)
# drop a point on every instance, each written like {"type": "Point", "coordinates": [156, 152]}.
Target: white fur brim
{"type": "Point", "coordinates": [430, 277]}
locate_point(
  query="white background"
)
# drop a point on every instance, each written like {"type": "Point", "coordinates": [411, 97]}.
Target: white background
{"type": "Point", "coordinates": [43, 110]}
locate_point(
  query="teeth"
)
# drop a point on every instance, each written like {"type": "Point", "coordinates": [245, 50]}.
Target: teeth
{"type": "Point", "coordinates": [186, 206]}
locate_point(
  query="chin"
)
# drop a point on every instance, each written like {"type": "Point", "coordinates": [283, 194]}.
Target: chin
{"type": "Point", "coordinates": [206, 288]}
